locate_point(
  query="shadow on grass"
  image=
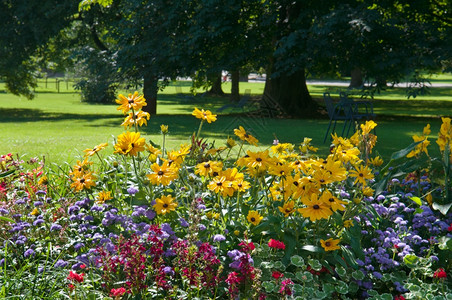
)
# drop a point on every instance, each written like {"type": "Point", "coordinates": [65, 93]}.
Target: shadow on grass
{"type": "Point", "coordinates": [20, 115]}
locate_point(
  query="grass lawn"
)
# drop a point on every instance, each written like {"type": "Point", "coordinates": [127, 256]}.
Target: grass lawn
{"type": "Point", "coordinates": [60, 127]}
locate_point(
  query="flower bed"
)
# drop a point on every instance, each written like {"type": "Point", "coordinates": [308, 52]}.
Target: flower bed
{"type": "Point", "coordinates": [229, 222]}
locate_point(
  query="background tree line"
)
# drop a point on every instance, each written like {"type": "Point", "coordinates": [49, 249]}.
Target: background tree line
{"type": "Point", "coordinates": [139, 42]}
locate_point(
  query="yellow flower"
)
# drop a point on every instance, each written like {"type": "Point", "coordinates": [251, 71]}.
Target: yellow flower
{"type": "Point", "coordinates": [426, 130]}
{"type": "Point", "coordinates": [287, 208]}
{"type": "Point", "coordinates": [209, 168]}
{"type": "Point", "coordinates": [330, 244]}
{"type": "Point", "coordinates": [241, 185]}
{"type": "Point", "coordinates": [333, 202]}
{"type": "Point", "coordinates": [368, 126]}
{"type": "Point", "coordinates": [230, 143]}
{"type": "Point", "coordinates": [254, 217]}
{"type": "Point", "coordinates": [163, 175]}
{"type": "Point", "coordinates": [103, 196]}
{"type": "Point", "coordinates": [376, 161]}
{"type": "Point", "coordinates": [153, 153]}
{"type": "Point", "coordinates": [244, 136]}
{"type": "Point", "coordinates": [129, 143]}
{"type": "Point", "coordinates": [91, 152]}
{"type": "Point", "coordinates": [85, 181]}
{"type": "Point", "coordinates": [362, 173]}
{"type": "Point", "coordinates": [205, 115]}
{"type": "Point", "coordinates": [220, 185]}
{"type": "Point", "coordinates": [164, 205]}
{"type": "Point", "coordinates": [259, 160]}
{"type": "Point", "coordinates": [164, 129]}
{"type": "Point", "coordinates": [134, 102]}
{"type": "Point", "coordinates": [81, 167]}
{"type": "Point", "coordinates": [140, 118]}
{"type": "Point", "coordinates": [348, 223]}
{"type": "Point", "coordinates": [43, 180]}
{"type": "Point", "coordinates": [35, 212]}
{"type": "Point", "coordinates": [367, 191]}
{"type": "Point", "coordinates": [315, 209]}
{"type": "Point", "coordinates": [306, 146]}
{"type": "Point", "coordinates": [422, 147]}
{"type": "Point", "coordinates": [429, 199]}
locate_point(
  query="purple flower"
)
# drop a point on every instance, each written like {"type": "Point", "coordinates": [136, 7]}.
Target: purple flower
{"type": "Point", "coordinates": [78, 246]}
{"type": "Point", "coordinates": [73, 209]}
{"type": "Point", "coordinates": [132, 190]}
{"type": "Point", "coordinates": [40, 192]}
{"type": "Point", "coordinates": [55, 227]}
{"type": "Point", "coordinates": [3, 211]}
{"type": "Point", "coordinates": [60, 264]}
{"type": "Point", "coordinates": [38, 222]}
{"type": "Point", "coordinates": [168, 270]}
{"type": "Point", "coordinates": [29, 252]}
{"type": "Point", "coordinates": [201, 227]}
{"type": "Point", "coordinates": [38, 203]}
{"type": "Point", "coordinates": [183, 223]}
{"type": "Point", "coordinates": [218, 238]}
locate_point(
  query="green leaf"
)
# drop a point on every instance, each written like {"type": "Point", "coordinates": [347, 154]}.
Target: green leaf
{"type": "Point", "coordinates": [268, 286]}
{"type": "Point", "coordinates": [386, 296]}
{"type": "Point", "coordinates": [353, 287]}
{"type": "Point", "coordinates": [6, 219]}
{"type": "Point", "coordinates": [358, 275]}
{"type": "Point", "coordinates": [404, 152]}
{"type": "Point", "coordinates": [6, 173]}
{"type": "Point", "coordinates": [444, 243]}
{"type": "Point", "coordinates": [312, 248]}
{"type": "Point", "coordinates": [320, 295]}
{"type": "Point", "coordinates": [416, 200]}
{"type": "Point", "coordinates": [304, 276]}
{"type": "Point", "coordinates": [443, 208]}
{"type": "Point", "coordinates": [297, 261]}
{"type": "Point", "coordinates": [341, 271]}
{"type": "Point", "coordinates": [411, 260]}
{"type": "Point", "coordinates": [372, 293]}
{"type": "Point", "coordinates": [279, 265]}
{"type": "Point", "coordinates": [315, 264]}
{"type": "Point", "coordinates": [342, 287]}
{"type": "Point", "coordinates": [328, 288]}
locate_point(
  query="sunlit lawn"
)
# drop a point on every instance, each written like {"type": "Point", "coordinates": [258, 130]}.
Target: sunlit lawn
{"type": "Point", "coordinates": [60, 127]}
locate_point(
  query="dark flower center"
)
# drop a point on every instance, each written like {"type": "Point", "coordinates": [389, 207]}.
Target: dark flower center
{"type": "Point", "coordinates": [239, 185]}
{"type": "Point", "coordinates": [246, 135]}
{"type": "Point", "coordinates": [206, 166]}
{"type": "Point", "coordinates": [133, 145]}
{"type": "Point", "coordinates": [220, 183]}
{"type": "Point", "coordinates": [327, 244]}
{"type": "Point", "coordinates": [160, 173]}
{"type": "Point", "coordinates": [361, 175]}
{"type": "Point", "coordinates": [82, 180]}
{"type": "Point", "coordinates": [130, 101]}
{"type": "Point", "coordinates": [259, 159]}
{"type": "Point", "coordinates": [165, 205]}
{"type": "Point", "coordinates": [322, 180]}
{"type": "Point", "coordinates": [331, 199]}
{"type": "Point", "coordinates": [295, 183]}
{"type": "Point", "coordinates": [253, 219]}
{"type": "Point", "coordinates": [316, 206]}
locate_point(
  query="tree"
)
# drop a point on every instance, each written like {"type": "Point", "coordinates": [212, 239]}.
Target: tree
{"type": "Point", "coordinates": [27, 26]}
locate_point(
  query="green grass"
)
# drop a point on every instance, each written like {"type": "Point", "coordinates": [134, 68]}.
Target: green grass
{"type": "Point", "coordinates": [60, 127]}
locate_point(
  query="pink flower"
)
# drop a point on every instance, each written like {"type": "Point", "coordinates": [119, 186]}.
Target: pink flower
{"type": "Point", "coordinates": [117, 292]}
{"type": "Point", "coordinates": [286, 286]}
{"type": "Point", "coordinates": [276, 244]}
{"type": "Point", "coordinates": [440, 273]}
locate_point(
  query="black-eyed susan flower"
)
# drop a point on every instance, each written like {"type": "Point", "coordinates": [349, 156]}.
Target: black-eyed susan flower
{"type": "Point", "coordinates": [153, 153]}
{"type": "Point", "coordinates": [362, 174]}
{"type": "Point", "coordinates": [91, 152]}
{"type": "Point", "coordinates": [209, 168]}
{"type": "Point", "coordinates": [376, 161]}
{"type": "Point", "coordinates": [287, 208]}
{"type": "Point", "coordinates": [348, 223]}
{"type": "Point", "coordinates": [133, 101]}
{"type": "Point", "coordinates": [140, 118]}
{"type": "Point", "coordinates": [330, 244]}
{"type": "Point", "coordinates": [103, 196]}
{"type": "Point", "coordinates": [254, 217]}
{"type": "Point", "coordinates": [315, 209]}
{"type": "Point", "coordinates": [259, 159]}
{"type": "Point", "coordinates": [129, 143]}
{"type": "Point", "coordinates": [220, 185]}
{"type": "Point", "coordinates": [81, 167]}
{"type": "Point", "coordinates": [163, 174]}
{"type": "Point", "coordinates": [332, 201]}
{"type": "Point", "coordinates": [164, 205]}
{"type": "Point", "coordinates": [83, 182]}
{"type": "Point", "coordinates": [244, 136]}
{"type": "Point", "coordinates": [205, 115]}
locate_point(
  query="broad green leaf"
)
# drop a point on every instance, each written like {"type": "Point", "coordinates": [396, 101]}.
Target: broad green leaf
{"type": "Point", "coordinates": [279, 265]}
{"type": "Point", "coordinates": [411, 260]}
{"type": "Point", "coordinates": [372, 293]}
{"type": "Point", "coordinates": [402, 153]}
{"type": "Point", "coordinates": [304, 276]}
{"type": "Point", "coordinates": [328, 288]}
{"type": "Point", "coordinates": [320, 295]}
{"type": "Point", "coordinates": [268, 286]}
{"type": "Point", "coordinates": [416, 200]}
{"type": "Point", "coordinates": [315, 264]}
{"type": "Point", "coordinates": [386, 296]}
{"type": "Point", "coordinates": [358, 275]}
{"type": "Point", "coordinates": [297, 260]}
{"type": "Point", "coordinates": [342, 287]}
{"type": "Point", "coordinates": [353, 287]}
{"type": "Point", "coordinates": [341, 271]}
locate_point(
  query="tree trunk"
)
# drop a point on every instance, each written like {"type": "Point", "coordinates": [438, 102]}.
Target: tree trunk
{"type": "Point", "coordinates": [356, 80]}
{"type": "Point", "coordinates": [150, 90]}
{"type": "Point", "coordinates": [216, 85]}
{"type": "Point", "coordinates": [291, 94]}
{"type": "Point", "coordinates": [235, 96]}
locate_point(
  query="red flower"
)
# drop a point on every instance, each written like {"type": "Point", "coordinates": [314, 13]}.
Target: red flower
{"type": "Point", "coordinates": [440, 273]}
{"type": "Point", "coordinates": [117, 292]}
{"type": "Point", "coordinates": [277, 275]}
{"type": "Point", "coordinates": [449, 228]}
{"type": "Point", "coordinates": [75, 277]}
{"type": "Point", "coordinates": [399, 297]}
{"type": "Point", "coordinates": [71, 286]}
{"type": "Point", "coordinates": [247, 247]}
{"type": "Point", "coordinates": [276, 244]}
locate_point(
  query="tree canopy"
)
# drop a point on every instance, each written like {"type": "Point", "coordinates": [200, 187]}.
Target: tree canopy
{"type": "Point", "coordinates": [141, 41]}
